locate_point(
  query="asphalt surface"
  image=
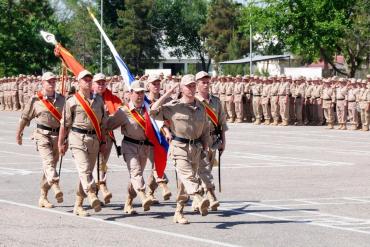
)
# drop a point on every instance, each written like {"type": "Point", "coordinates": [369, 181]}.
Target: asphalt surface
{"type": "Point", "coordinates": [281, 186]}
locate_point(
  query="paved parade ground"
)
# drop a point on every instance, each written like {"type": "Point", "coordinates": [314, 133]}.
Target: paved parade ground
{"type": "Point", "coordinates": [281, 186]}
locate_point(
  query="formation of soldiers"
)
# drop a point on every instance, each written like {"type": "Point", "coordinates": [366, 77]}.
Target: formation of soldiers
{"type": "Point", "coordinates": [275, 100]}
{"type": "Point", "coordinates": [281, 100]}
{"type": "Point", "coordinates": [82, 121]}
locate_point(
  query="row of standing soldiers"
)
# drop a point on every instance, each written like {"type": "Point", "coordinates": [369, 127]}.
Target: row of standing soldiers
{"type": "Point", "coordinates": [303, 101]}
{"type": "Point", "coordinates": [277, 100]}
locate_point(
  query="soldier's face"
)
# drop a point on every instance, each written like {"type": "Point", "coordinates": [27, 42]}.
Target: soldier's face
{"type": "Point", "coordinates": [85, 83]}
{"type": "Point", "coordinates": [203, 85]}
{"type": "Point", "coordinates": [49, 86]}
{"type": "Point", "coordinates": [99, 86]}
{"type": "Point", "coordinates": [189, 90]}
{"type": "Point", "coordinates": [137, 97]}
{"type": "Point", "coordinates": [154, 87]}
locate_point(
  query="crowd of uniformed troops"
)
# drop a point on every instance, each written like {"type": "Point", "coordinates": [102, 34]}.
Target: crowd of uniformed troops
{"type": "Point", "coordinates": [82, 121]}
{"type": "Point", "coordinates": [275, 100]}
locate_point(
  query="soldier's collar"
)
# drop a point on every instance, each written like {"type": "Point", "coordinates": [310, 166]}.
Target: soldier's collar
{"type": "Point", "coordinates": [49, 97]}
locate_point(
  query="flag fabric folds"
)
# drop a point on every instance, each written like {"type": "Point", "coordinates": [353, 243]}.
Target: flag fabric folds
{"type": "Point", "coordinates": [152, 131]}
{"type": "Point", "coordinates": [71, 63]}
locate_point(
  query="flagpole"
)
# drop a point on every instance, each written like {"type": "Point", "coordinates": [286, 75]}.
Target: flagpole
{"type": "Point", "coordinates": [101, 37]}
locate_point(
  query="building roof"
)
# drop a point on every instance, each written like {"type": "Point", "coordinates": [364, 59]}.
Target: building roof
{"type": "Point", "coordinates": [257, 58]}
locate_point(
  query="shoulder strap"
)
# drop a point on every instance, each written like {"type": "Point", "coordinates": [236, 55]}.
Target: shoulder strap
{"type": "Point", "coordinates": [51, 108]}
{"type": "Point", "coordinates": [211, 114]}
{"type": "Point", "coordinates": [90, 113]}
{"type": "Point", "coordinates": [137, 117]}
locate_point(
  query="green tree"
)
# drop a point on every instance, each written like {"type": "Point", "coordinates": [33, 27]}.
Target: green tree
{"type": "Point", "coordinates": [181, 22]}
{"type": "Point", "coordinates": [23, 49]}
{"type": "Point", "coordinates": [261, 18]}
{"type": "Point", "coordinates": [317, 29]}
{"type": "Point", "coordinates": [220, 28]}
{"type": "Point", "coordinates": [137, 41]}
{"type": "Point", "coordinates": [83, 34]}
{"type": "Point", "coordinates": [355, 44]}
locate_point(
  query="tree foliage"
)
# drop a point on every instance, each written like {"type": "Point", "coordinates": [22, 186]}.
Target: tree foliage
{"type": "Point", "coordinates": [315, 29]}
{"type": "Point", "coordinates": [180, 22]}
{"type": "Point", "coordinates": [137, 40]}
{"type": "Point", "coordinates": [23, 49]}
{"type": "Point", "coordinates": [220, 28]}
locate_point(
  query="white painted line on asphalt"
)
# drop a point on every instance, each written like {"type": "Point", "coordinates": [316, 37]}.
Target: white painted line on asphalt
{"type": "Point", "coordinates": [287, 159]}
{"type": "Point", "coordinates": [356, 199]}
{"type": "Point", "coordinates": [13, 171]}
{"type": "Point", "coordinates": [304, 148]}
{"type": "Point", "coordinates": [16, 144]}
{"type": "Point", "coordinates": [307, 221]}
{"type": "Point", "coordinates": [124, 225]}
{"type": "Point", "coordinates": [316, 220]}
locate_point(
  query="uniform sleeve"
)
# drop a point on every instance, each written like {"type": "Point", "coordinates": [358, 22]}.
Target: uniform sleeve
{"type": "Point", "coordinates": [104, 120]}
{"type": "Point", "coordinates": [162, 113]}
{"type": "Point", "coordinates": [205, 137]}
{"type": "Point", "coordinates": [29, 111]}
{"type": "Point", "coordinates": [68, 113]}
{"type": "Point", "coordinates": [222, 117]}
{"type": "Point", "coordinates": [117, 120]}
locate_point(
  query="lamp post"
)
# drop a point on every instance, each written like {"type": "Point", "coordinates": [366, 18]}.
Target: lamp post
{"type": "Point", "coordinates": [250, 43]}
{"type": "Point", "coordinates": [101, 37]}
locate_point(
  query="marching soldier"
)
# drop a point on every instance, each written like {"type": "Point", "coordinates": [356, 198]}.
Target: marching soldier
{"type": "Point", "coordinates": [309, 103]}
{"type": "Point", "coordinates": [217, 125]}
{"type": "Point", "coordinates": [46, 107]}
{"type": "Point", "coordinates": [190, 128]}
{"type": "Point", "coordinates": [153, 84]}
{"type": "Point", "coordinates": [135, 144]}
{"type": "Point", "coordinates": [83, 116]}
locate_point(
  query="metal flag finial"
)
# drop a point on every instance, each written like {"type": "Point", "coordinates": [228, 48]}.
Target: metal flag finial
{"type": "Point", "coordinates": [48, 37]}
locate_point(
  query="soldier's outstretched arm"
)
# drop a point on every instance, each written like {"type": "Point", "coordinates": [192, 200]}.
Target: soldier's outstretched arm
{"type": "Point", "coordinates": [115, 121]}
{"type": "Point", "coordinates": [162, 99]}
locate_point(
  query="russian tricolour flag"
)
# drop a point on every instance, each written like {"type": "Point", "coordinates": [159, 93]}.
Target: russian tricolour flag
{"type": "Point", "coordinates": [152, 130]}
